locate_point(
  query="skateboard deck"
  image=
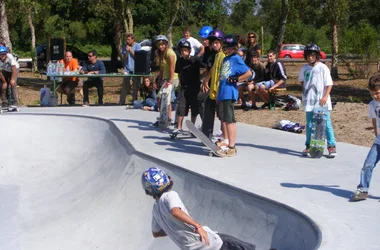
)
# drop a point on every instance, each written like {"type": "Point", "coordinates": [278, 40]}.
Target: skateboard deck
{"type": "Point", "coordinates": [166, 93]}
{"type": "Point", "coordinates": [9, 109]}
{"type": "Point", "coordinates": [204, 139]}
{"type": "Point", "coordinates": [318, 132]}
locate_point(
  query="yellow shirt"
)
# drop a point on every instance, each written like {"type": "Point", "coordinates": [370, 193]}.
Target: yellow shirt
{"type": "Point", "coordinates": [216, 74]}
{"type": "Point", "coordinates": [165, 65]}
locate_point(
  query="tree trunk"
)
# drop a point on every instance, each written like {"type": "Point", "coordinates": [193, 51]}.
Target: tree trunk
{"type": "Point", "coordinates": [4, 32]}
{"type": "Point", "coordinates": [334, 62]}
{"type": "Point", "coordinates": [33, 34]}
{"type": "Point", "coordinates": [116, 35]}
{"type": "Point", "coordinates": [130, 19]}
{"type": "Point", "coordinates": [282, 25]}
{"type": "Point", "coordinates": [172, 18]}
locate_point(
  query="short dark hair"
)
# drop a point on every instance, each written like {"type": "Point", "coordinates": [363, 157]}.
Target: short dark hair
{"type": "Point", "coordinates": [130, 35]}
{"type": "Point", "coordinates": [374, 82]}
{"type": "Point", "coordinates": [253, 53]}
{"type": "Point", "coordinates": [271, 51]}
{"type": "Point", "coordinates": [93, 52]}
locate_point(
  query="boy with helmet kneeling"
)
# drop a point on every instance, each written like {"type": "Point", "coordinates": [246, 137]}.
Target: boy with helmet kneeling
{"type": "Point", "coordinates": [171, 218]}
{"type": "Point", "coordinates": [188, 69]}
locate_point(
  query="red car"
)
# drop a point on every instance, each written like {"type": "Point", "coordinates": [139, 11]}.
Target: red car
{"type": "Point", "coordinates": [294, 51]}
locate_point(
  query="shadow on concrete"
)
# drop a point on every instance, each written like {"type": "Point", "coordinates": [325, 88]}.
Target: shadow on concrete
{"type": "Point", "coordinates": [183, 145]}
{"type": "Point", "coordinates": [326, 188]}
{"type": "Point", "coordinates": [274, 149]}
{"type": "Point", "coordinates": [141, 125]}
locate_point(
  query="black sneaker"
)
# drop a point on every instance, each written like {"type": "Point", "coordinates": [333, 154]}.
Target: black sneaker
{"type": "Point", "coordinates": [254, 107]}
{"type": "Point", "coordinates": [265, 105]}
{"type": "Point", "coordinates": [155, 124]}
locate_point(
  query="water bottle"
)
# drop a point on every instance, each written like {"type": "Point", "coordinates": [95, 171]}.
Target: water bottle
{"type": "Point", "coordinates": [61, 66]}
{"type": "Point", "coordinates": [49, 69]}
{"type": "Point", "coordinates": [67, 70]}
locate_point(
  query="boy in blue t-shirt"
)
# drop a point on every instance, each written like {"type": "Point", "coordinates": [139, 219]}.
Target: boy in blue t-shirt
{"type": "Point", "coordinates": [233, 70]}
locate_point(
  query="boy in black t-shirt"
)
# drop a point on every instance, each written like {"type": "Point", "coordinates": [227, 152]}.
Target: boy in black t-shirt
{"type": "Point", "coordinates": [187, 68]}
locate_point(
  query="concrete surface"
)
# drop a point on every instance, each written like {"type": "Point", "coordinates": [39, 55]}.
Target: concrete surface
{"type": "Point", "coordinates": [73, 182]}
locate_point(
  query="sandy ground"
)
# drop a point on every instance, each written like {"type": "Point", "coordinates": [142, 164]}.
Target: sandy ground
{"type": "Point", "coordinates": [349, 117]}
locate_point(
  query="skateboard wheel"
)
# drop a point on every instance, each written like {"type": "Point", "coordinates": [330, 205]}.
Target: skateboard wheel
{"type": "Point", "coordinates": [210, 154]}
{"type": "Point", "coordinates": [173, 136]}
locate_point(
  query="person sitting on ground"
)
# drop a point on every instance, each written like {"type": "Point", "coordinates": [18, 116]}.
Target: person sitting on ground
{"type": "Point", "coordinates": [68, 84]}
{"type": "Point", "coordinates": [188, 69]}
{"type": "Point", "coordinates": [195, 44]}
{"type": "Point", "coordinates": [148, 94]}
{"type": "Point", "coordinates": [128, 53]}
{"type": "Point", "coordinates": [9, 69]}
{"type": "Point", "coordinates": [275, 77]}
{"type": "Point", "coordinates": [171, 218]}
{"type": "Point", "coordinates": [259, 76]}
{"type": "Point", "coordinates": [91, 67]}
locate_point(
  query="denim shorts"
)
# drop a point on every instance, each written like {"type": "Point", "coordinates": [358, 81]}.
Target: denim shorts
{"type": "Point", "coordinates": [267, 84]}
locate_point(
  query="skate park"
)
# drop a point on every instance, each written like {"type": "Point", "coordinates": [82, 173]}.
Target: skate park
{"type": "Point", "coordinates": [70, 179]}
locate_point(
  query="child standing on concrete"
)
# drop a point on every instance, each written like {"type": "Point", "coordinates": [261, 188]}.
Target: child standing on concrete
{"type": "Point", "coordinates": [316, 84]}
{"type": "Point", "coordinates": [373, 156]}
{"type": "Point", "coordinates": [171, 218]}
{"type": "Point", "coordinates": [233, 70]}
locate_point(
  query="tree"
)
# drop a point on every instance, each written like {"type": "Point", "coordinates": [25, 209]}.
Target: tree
{"type": "Point", "coordinates": [4, 32]}
{"type": "Point", "coordinates": [282, 25]}
{"type": "Point", "coordinates": [337, 11]}
{"type": "Point", "coordinates": [172, 17]}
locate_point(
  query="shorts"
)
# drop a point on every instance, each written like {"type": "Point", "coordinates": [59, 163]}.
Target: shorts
{"type": "Point", "coordinates": [188, 99]}
{"type": "Point", "coordinates": [227, 111]}
{"type": "Point", "coordinates": [69, 84]}
{"type": "Point", "coordinates": [267, 84]}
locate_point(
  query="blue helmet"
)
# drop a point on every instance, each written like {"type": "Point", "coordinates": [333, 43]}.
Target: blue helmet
{"type": "Point", "coordinates": [154, 181]}
{"type": "Point", "coordinates": [205, 31]}
{"type": "Point", "coordinates": [162, 38]}
{"type": "Point", "coordinates": [3, 49]}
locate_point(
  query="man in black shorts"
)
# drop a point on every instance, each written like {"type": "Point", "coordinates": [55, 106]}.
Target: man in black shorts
{"type": "Point", "coordinates": [187, 67]}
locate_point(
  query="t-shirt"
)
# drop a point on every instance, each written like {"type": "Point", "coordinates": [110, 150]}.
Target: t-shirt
{"type": "Point", "coordinates": [73, 66]}
{"type": "Point", "coordinates": [208, 58]}
{"type": "Point", "coordinates": [165, 65]}
{"type": "Point", "coordinates": [232, 66]}
{"type": "Point", "coordinates": [97, 66]}
{"type": "Point", "coordinates": [130, 63]}
{"type": "Point", "coordinates": [8, 63]}
{"type": "Point", "coordinates": [374, 112]}
{"type": "Point", "coordinates": [194, 43]}
{"type": "Point", "coordinates": [189, 72]}
{"type": "Point", "coordinates": [259, 70]}
{"type": "Point", "coordinates": [180, 233]}
{"type": "Point", "coordinates": [315, 80]}
{"type": "Point", "coordinates": [214, 86]}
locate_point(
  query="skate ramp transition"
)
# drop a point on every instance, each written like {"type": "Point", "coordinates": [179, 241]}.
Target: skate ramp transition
{"type": "Point", "coordinates": [71, 182]}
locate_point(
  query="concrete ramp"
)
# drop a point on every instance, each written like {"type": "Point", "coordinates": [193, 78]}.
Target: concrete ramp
{"type": "Point", "coordinates": [71, 182]}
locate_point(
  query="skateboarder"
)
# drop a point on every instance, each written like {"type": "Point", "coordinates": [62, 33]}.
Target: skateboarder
{"type": "Point", "coordinates": [188, 69]}
{"type": "Point", "coordinates": [315, 78]}
{"type": "Point", "coordinates": [166, 59]}
{"type": "Point", "coordinates": [210, 106]}
{"type": "Point", "coordinates": [233, 71]}
{"type": "Point", "coordinates": [373, 156]}
{"type": "Point", "coordinates": [9, 70]}
{"type": "Point", "coordinates": [171, 218]}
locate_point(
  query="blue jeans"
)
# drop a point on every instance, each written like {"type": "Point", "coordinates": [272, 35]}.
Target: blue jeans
{"type": "Point", "coordinates": [148, 102]}
{"type": "Point", "coordinates": [372, 159]}
{"type": "Point", "coordinates": [232, 243]}
{"type": "Point", "coordinates": [329, 129]}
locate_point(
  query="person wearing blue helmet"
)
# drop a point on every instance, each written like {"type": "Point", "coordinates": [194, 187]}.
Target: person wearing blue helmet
{"type": "Point", "coordinates": [209, 53]}
{"type": "Point", "coordinates": [171, 218]}
{"type": "Point", "coordinates": [233, 71]}
{"type": "Point", "coordinates": [9, 67]}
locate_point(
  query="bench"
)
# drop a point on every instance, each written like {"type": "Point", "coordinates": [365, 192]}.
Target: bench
{"type": "Point", "coordinates": [272, 97]}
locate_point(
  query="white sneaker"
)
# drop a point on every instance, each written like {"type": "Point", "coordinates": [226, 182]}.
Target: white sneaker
{"type": "Point", "coordinates": [129, 107]}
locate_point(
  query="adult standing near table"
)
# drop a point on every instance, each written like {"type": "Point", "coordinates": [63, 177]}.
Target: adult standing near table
{"type": "Point", "coordinates": [128, 53]}
{"type": "Point", "coordinates": [195, 44]}
{"type": "Point", "coordinates": [93, 66]}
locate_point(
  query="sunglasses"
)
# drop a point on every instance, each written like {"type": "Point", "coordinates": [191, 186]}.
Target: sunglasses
{"type": "Point", "coordinates": [252, 37]}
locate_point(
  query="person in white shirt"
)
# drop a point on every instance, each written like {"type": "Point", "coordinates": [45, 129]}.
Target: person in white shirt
{"type": "Point", "coordinates": [374, 153]}
{"type": "Point", "coordinates": [316, 84]}
{"type": "Point", "coordinates": [9, 68]}
{"type": "Point", "coordinates": [171, 218]}
{"type": "Point", "coordinates": [195, 44]}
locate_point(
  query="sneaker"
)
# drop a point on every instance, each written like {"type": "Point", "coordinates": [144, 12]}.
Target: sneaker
{"type": "Point", "coordinates": [226, 151]}
{"type": "Point", "coordinates": [306, 152]}
{"type": "Point", "coordinates": [332, 152]}
{"type": "Point", "coordinates": [129, 107]}
{"type": "Point", "coordinates": [265, 105]}
{"type": "Point", "coordinates": [254, 107]}
{"type": "Point", "coordinates": [231, 152]}
{"type": "Point", "coordinates": [86, 104]}
{"type": "Point", "coordinates": [221, 143]}
{"type": "Point", "coordinates": [359, 195]}
{"type": "Point", "coordinates": [156, 124]}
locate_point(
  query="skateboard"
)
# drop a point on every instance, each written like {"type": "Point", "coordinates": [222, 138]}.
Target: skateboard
{"type": "Point", "coordinates": [174, 134]}
{"type": "Point", "coordinates": [204, 139]}
{"type": "Point", "coordinates": [318, 132]}
{"type": "Point", "coordinates": [9, 109]}
{"type": "Point", "coordinates": [163, 120]}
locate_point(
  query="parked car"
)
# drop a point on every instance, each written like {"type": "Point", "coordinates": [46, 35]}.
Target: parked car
{"type": "Point", "coordinates": [294, 51]}
{"type": "Point", "coordinates": [146, 44]}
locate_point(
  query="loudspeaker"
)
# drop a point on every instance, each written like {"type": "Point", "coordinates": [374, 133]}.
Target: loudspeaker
{"type": "Point", "coordinates": [142, 62]}
{"type": "Point", "coordinates": [56, 48]}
